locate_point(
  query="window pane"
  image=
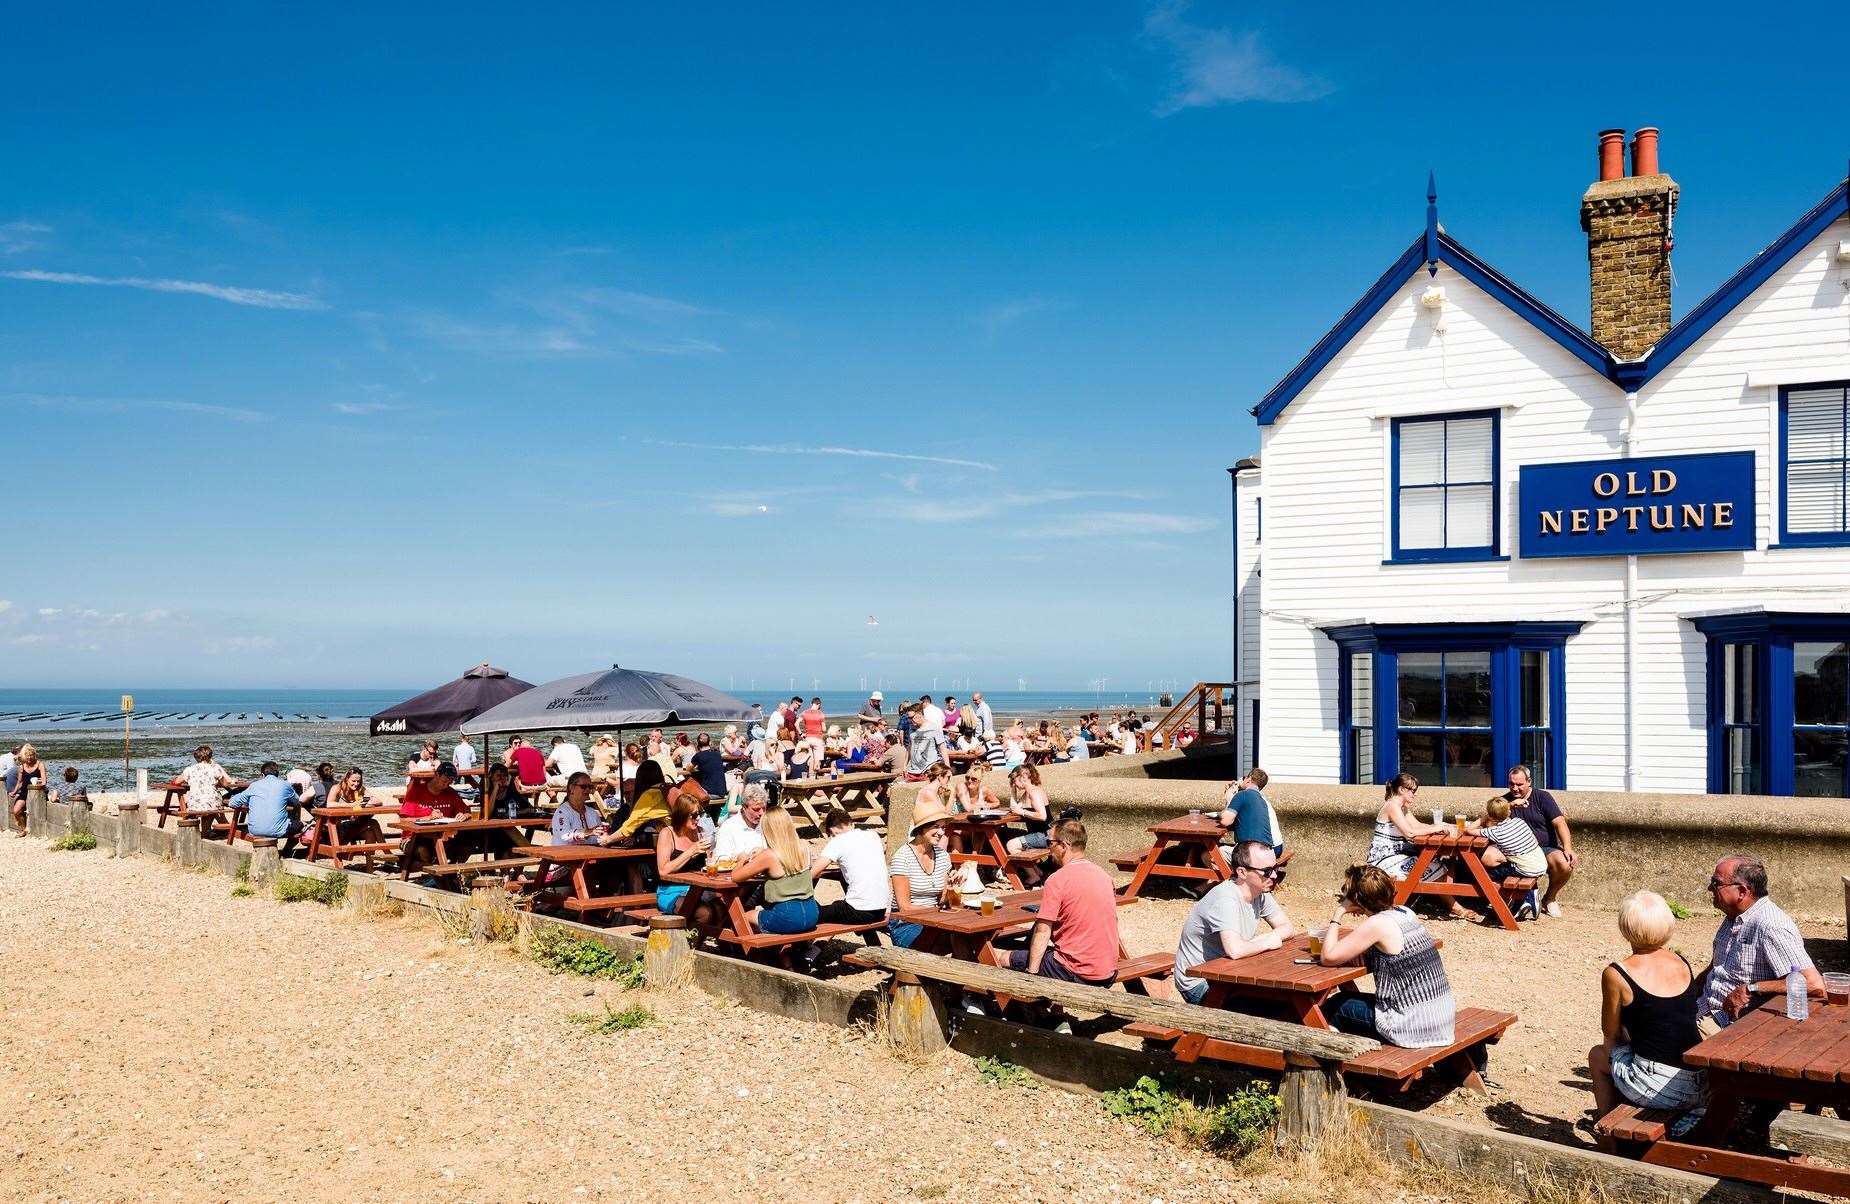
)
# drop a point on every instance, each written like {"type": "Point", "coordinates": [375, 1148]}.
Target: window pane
{"type": "Point", "coordinates": [1743, 762]}
{"type": "Point", "coordinates": [1535, 754]}
{"type": "Point", "coordinates": [1419, 755]}
{"type": "Point", "coordinates": [1815, 424]}
{"type": "Point", "coordinates": [1420, 689]}
{"type": "Point", "coordinates": [1534, 690]}
{"type": "Point", "coordinates": [1362, 754]}
{"type": "Point", "coordinates": [1362, 689]}
{"type": "Point", "coordinates": [1468, 759]}
{"type": "Point", "coordinates": [1818, 683]}
{"type": "Point", "coordinates": [1739, 702]}
{"type": "Point", "coordinates": [1467, 516]}
{"type": "Point", "coordinates": [1467, 450]}
{"type": "Point", "coordinates": [1422, 518]}
{"type": "Point", "coordinates": [1422, 453]}
{"type": "Point", "coordinates": [1467, 689]}
{"type": "Point", "coordinates": [1815, 497]}
{"type": "Point", "coordinates": [1818, 763]}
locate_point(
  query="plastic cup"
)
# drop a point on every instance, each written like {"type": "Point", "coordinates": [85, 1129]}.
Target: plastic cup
{"type": "Point", "coordinates": [989, 906]}
{"type": "Point", "coordinates": [1438, 815]}
{"type": "Point", "coordinates": [1837, 988]}
{"type": "Point", "coordinates": [1316, 945]}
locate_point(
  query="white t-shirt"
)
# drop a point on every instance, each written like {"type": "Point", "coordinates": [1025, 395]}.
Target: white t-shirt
{"type": "Point", "coordinates": [1127, 741]}
{"type": "Point", "coordinates": [8, 762]}
{"type": "Point", "coordinates": [932, 718]}
{"type": "Point", "coordinates": [735, 839]}
{"type": "Point", "coordinates": [463, 755]}
{"type": "Point", "coordinates": [862, 857]}
{"type": "Point", "coordinates": [567, 759]}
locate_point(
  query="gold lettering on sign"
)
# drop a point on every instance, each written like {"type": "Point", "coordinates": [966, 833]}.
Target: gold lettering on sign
{"type": "Point", "coordinates": [1577, 521]}
{"type": "Point", "coordinates": [1724, 514]}
{"type": "Point", "coordinates": [1631, 517]}
{"type": "Point", "coordinates": [1551, 522]}
{"type": "Point", "coordinates": [1604, 517]}
{"type": "Point", "coordinates": [1693, 516]}
{"type": "Point", "coordinates": [1663, 480]}
{"type": "Point", "coordinates": [1665, 523]}
{"type": "Point", "coordinates": [1632, 487]}
{"type": "Point", "coordinates": [1606, 484]}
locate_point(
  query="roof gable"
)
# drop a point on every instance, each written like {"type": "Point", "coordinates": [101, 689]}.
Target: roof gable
{"type": "Point", "coordinates": [1434, 247]}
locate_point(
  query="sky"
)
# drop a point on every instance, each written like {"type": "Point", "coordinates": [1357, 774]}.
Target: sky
{"type": "Point", "coordinates": [352, 345]}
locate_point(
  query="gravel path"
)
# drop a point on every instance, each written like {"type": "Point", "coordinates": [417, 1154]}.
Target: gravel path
{"type": "Point", "coordinates": [169, 1041]}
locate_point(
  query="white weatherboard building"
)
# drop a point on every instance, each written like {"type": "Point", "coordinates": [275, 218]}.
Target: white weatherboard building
{"type": "Point", "coordinates": [1621, 558]}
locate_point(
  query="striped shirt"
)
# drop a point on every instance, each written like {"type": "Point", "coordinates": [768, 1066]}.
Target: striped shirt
{"type": "Point", "coordinates": [1760, 944]}
{"type": "Point", "coordinates": [1414, 1007]}
{"type": "Point", "coordinates": [1517, 841]}
{"type": "Point", "coordinates": [925, 887]}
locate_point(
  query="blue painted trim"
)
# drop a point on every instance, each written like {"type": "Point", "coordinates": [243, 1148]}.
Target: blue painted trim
{"type": "Point", "coordinates": [1720, 303]}
{"type": "Point", "coordinates": [1490, 551]}
{"type": "Point", "coordinates": [1787, 537]}
{"type": "Point", "coordinates": [1777, 724]}
{"type": "Point", "coordinates": [1387, 710]}
{"type": "Point", "coordinates": [1772, 634]}
{"type": "Point", "coordinates": [1432, 225]}
{"type": "Point", "coordinates": [1557, 715]}
{"type": "Point", "coordinates": [1718, 767]}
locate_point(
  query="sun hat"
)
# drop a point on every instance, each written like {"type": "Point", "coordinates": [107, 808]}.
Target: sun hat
{"type": "Point", "coordinates": [877, 696]}
{"type": "Point", "coordinates": [931, 813]}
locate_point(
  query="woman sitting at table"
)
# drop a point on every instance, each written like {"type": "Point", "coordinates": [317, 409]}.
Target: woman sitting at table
{"type": "Point", "coordinates": [1648, 1020]}
{"type": "Point", "coordinates": [789, 891]}
{"type": "Point", "coordinates": [350, 791]}
{"type": "Point", "coordinates": [577, 821]}
{"type": "Point", "coordinates": [920, 868]}
{"type": "Point", "coordinates": [604, 756]}
{"type": "Point", "coordinates": [501, 797]}
{"type": "Point", "coordinates": [1412, 1005]}
{"type": "Point", "coordinates": [1028, 799]}
{"type": "Point", "coordinates": [681, 847]}
{"type": "Point", "coordinates": [731, 744]}
{"type": "Point", "coordinates": [801, 761]}
{"type": "Point", "coordinates": [1391, 849]}
{"type": "Point", "coordinates": [971, 793]}
{"type": "Point", "coordinates": [650, 807]}
{"type": "Point", "coordinates": [683, 750]}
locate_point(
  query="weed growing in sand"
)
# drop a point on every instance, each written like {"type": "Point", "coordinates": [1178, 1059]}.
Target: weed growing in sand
{"type": "Point", "coordinates": [293, 888]}
{"type": "Point", "coordinates": [563, 953]}
{"type": "Point", "coordinates": [634, 1016]}
{"type": "Point", "coordinates": [1241, 1123]}
{"type": "Point", "coordinates": [1000, 1072]}
{"type": "Point", "coordinates": [1677, 909]}
{"type": "Point", "coordinates": [242, 891]}
{"type": "Point", "coordinates": [73, 842]}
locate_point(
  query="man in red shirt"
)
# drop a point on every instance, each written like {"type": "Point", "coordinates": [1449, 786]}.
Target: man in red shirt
{"type": "Point", "coordinates": [528, 763]}
{"type": "Point", "coordinates": [433, 795]}
{"type": "Point", "coordinates": [1075, 936]}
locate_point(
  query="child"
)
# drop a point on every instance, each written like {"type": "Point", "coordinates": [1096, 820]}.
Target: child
{"type": "Point", "coordinates": [1522, 856]}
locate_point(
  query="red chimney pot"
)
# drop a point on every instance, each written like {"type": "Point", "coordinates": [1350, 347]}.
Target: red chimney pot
{"type": "Point", "coordinates": [1644, 151]}
{"type": "Point", "coordinates": [1611, 154]}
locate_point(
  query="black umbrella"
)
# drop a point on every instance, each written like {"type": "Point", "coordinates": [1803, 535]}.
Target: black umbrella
{"type": "Point", "coordinates": [612, 698]}
{"type": "Point", "coordinates": [445, 708]}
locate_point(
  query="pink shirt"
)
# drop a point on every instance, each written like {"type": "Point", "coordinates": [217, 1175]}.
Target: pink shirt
{"type": "Point", "coordinates": [814, 722]}
{"type": "Point", "coordinates": [1082, 906]}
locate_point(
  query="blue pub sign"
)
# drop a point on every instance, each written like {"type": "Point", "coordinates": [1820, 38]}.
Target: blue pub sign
{"type": "Point", "coordinates": [1647, 505]}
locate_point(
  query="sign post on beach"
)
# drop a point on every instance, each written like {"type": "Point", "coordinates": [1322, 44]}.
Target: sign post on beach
{"type": "Point", "coordinates": [128, 708]}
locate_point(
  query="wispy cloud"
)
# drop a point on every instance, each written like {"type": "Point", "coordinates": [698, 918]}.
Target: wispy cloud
{"type": "Point", "coordinates": [261, 298]}
{"type": "Point", "coordinates": [1218, 66]}
{"type": "Point", "coordinates": [768, 449]}
{"type": "Point", "coordinates": [119, 405]}
{"type": "Point", "coordinates": [994, 319]}
{"type": "Point", "coordinates": [21, 236]}
{"type": "Point", "coordinates": [584, 322]}
{"type": "Point", "coordinates": [366, 407]}
{"type": "Point", "coordinates": [983, 509]}
{"type": "Point", "coordinates": [1116, 524]}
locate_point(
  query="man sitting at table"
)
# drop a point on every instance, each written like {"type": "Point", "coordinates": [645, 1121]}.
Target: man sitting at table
{"type": "Point", "coordinates": [708, 766]}
{"type": "Point", "coordinates": [739, 836]}
{"type": "Point", "coordinates": [270, 800]}
{"type": "Point", "coordinates": [1247, 814]}
{"type": "Point", "coordinates": [1075, 937]}
{"type": "Point", "coordinates": [1225, 923]}
{"type": "Point", "coordinates": [1755, 948]}
{"type": "Point", "coordinates": [433, 795]}
{"type": "Point", "coordinates": [860, 853]}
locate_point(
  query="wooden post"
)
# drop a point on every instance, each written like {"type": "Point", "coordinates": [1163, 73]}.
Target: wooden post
{"type": "Point", "coordinates": [365, 894]}
{"type": "Point", "coordinates": [1314, 1102]}
{"type": "Point", "coordinates": [265, 864]}
{"type": "Point", "coordinates": [667, 958]}
{"type": "Point", "coordinates": [488, 904]}
{"type": "Point", "coordinates": [916, 1020]}
{"type": "Point", "coordinates": [128, 829]}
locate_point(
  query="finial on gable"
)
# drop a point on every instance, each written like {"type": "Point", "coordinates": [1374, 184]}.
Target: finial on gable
{"type": "Point", "coordinates": [1432, 225]}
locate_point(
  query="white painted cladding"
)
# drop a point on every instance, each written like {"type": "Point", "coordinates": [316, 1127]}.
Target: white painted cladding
{"type": "Point", "coordinates": [1327, 511]}
{"type": "Point", "coordinates": [1248, 497]}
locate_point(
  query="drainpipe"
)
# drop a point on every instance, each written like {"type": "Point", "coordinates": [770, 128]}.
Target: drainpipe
{"type": "Point", "coordinates": [1631, 619]}
{"type": "Point", "coordinates": [1239, 678]}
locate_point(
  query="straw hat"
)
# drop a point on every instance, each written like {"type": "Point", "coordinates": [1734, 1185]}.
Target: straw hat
{"type": "Point", "coordinates": [931, 813]}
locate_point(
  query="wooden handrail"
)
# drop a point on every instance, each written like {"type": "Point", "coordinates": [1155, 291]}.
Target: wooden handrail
{"type": "Point", "coordinates": [1194, 706]}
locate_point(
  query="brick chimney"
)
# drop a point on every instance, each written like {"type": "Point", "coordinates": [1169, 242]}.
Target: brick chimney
{"type": "Point", "coordinates": [1628, 223]}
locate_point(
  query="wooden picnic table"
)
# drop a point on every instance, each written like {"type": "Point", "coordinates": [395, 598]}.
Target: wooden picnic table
{"type": "Point", "coordinates": [1465, 848]}
{"type": "Point", "coordinates": [965, 933]}
{"type": "Point", "coordinates": [862, 795]}
{"type": "Point", "coordinates": [1196, 837]}
{"type": "Point", "coordinates": [329, 840]}
{"type": "Point", "coordinates": [978, 837]}
{"type": "Point", "coordinates": [438, 833]}
{"type": "Point", "coordinates": [737, 929]}
{"type": "Point", "coordinates": [966, 758]}
{"type": "Point", "coordinates": [572, 863]}
{"type": "Point", "coordinates": [1763, 1056]}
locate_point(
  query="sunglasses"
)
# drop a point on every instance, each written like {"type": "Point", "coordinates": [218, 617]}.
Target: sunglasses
{"type": "Point", "coordinates": [1270, 873]}
{"type": "Point", "coordinates": [1717, 884]}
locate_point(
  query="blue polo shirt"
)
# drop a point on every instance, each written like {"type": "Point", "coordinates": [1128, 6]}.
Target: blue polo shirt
{"type": "Point", "coordinates": [1252, 819]}
{"type": "Point", "coordinates": [269, 800]}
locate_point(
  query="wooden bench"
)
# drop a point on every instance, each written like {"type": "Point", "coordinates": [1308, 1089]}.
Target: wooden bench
{"type": "Point", "coordinates": [1149, 965]}
{"type": "Point", "coordinates": [606, 902]}
{"type": "Point", "coordinates": [753, 941]}
{"type": "Point", "coordinates": [1313, 1097]}
{"type": "Point", "coordinates": [1630, 1125]}
{"type": "Point", "coordinates": [479, 867]}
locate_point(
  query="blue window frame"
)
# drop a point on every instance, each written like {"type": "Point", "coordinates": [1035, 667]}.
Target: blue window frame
{"type": "Point", "coordinates": [1453, 703]}
{"type": "Point", "coordinates": [1446, 496]}
{"type": "Point", "coordinates": [1778, 703]}
{"type": "Point", "coordinates": [1814, 464]}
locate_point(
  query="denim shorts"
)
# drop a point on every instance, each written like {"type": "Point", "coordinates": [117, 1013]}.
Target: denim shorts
{"type": "Point", "coordinates": [1034, 840]}
{"type": "Point", "coordinates": [903, 933]}
{"type": "Point", "coordinates": [789, 917]}
{"type": "Point", "coordinates": [668, 897]}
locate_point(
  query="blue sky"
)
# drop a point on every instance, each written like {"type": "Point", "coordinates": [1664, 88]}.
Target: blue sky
{"type": "Point", "coordinates": [349, 348]}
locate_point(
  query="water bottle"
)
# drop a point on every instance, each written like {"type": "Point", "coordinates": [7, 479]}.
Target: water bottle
{"type": "Point", "coordinates": [1798, 997]}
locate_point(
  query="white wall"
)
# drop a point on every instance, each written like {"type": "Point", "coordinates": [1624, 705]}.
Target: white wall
{"type": "Point", "coordinates": [1247, 498]}
{"type": "Point", "coordinates": [1327, 511]}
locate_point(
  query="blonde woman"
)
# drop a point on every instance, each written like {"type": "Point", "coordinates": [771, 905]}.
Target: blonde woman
{"type": "Point", "coordinates": [789, 891]}
{"type": "Point", "coordinates": [350, 791]}
{"type": "Point", "coordinates": [604, 756]}
{"type": "Point", "coordinates": [971, 793]}
{"type": "Point", "coordinates": [32, 776]}
{"type": "Point", "coordinates": [731, 744]}
{"type": "Point", "coordinates": [1648, 1019]}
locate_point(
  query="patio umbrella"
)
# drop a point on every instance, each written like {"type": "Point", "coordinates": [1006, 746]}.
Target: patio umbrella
{"type": "Point", "coordinates": [445, 708]}
{"type": "Point", "coordinates": [612, 698]}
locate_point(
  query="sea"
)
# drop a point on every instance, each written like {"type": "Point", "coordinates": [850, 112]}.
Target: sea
{"type": "Point", "coordinates": [245, 728]}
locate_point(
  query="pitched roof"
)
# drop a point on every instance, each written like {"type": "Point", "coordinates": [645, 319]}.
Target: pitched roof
{"type": "Point", "coordinates": [1434, 246]}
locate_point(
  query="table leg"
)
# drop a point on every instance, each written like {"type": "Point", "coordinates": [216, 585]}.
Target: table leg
{"type": "Point", "coordinates": [1217, 861]}
{"type": "Point", "coordinates": [314, 842]}
{"type": "Point", "coordinates": [1142, 873]}
{"type": "Point", "coordinates": [1492, 896]}
{"type": "Point", "coordinates": [334, 843]}
{"type": "Point", "coordinates": [1409, 886]}
{"type": "Point", "coordinates": [999, 850]}
{"type": "Point", "coordinates": [1188, 1046]}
